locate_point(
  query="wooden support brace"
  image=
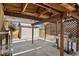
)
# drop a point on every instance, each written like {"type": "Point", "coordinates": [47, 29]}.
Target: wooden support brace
{"type": "Point", "coordinates": [25, 7]}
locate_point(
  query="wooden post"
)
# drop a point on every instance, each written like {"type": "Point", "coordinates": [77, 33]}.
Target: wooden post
{"type": "Point", "coordinates": [19, 34]}
{"type": "Point", "coordinates": [32, 33]}
{"type": "Point", "coordinates": [61, 37]}
{"type": "Point", "coordinates": [1, 25]}
{"type": "Point", "coordinates": [45, 33]}
{"type": "Point", "coordinates": [57, 40]}
{"type": "Point", "coordinates": [6, 35]}
{"type": "Point", "coordinates": [77, 42]}
{"type": "Point", "coordinates": [7, 39]}
{"type": "Point", "coordinates": [0, 44]}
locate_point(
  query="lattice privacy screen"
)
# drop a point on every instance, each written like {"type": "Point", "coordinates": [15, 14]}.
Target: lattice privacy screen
{"type": "Point", "coordinates": [71, 27]}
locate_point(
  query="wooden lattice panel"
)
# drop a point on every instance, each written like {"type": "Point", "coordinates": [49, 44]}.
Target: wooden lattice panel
{"type": "Point", "coordinates": [71, 27]}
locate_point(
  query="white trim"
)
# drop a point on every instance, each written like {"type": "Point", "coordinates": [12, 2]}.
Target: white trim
{"type": "Point", "coordinates": [27, 51]}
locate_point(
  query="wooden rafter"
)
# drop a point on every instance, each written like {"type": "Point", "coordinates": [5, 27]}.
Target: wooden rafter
{"type": "Point", "coordinates": [46, 5]}
{"type": "Point", "coordinates": [18, 14]}
{"type": "Point", "coordinates": [40, 5]}
{"type": "Point", "coordinates": [43, 13]}
{"type": "Point", "coordinates": [39, 15]}
{"type": "Point", "coordinates": [31, 14]}
{"type": "Point", "coordinates": [75, 15]}
{"type": "Point", "coordinates": [34, 15]}
{"type": "Point", "coordinates": [25, 7]}
{"type": "Point", "coordinates": [68, 6]}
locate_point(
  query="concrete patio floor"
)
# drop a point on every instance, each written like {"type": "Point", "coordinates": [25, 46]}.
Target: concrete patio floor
{"type": "Point", "coordinates": [39, 48]}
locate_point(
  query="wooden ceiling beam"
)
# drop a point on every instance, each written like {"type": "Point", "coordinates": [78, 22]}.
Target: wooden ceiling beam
{"type": "Point", "coordinates": [28, 13]}
{"type": "Point", "coordinates": [36, 15]}
{"type": "Point", "coordinates": [41, 6]}
{"type": "Point", "coordinates": [25, 7]}
{"type": "Point", "coordinates": [68, 6]}
{"type": "Point", "coordinates": [18, 14]}
{"type": "Point", "coordinates": [31, 14]}
{"type": "Point", "coordinates": [75, 15]}
{"type": "Point", "coordinates": [45, 5]}
{"type": "Point", "coordinates": [45, 8]}
{"type": "Point", "coordinates": [43, 13]}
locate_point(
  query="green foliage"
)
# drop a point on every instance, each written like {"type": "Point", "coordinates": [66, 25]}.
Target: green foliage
{"type": "Point", "coordinates": [12, 27]}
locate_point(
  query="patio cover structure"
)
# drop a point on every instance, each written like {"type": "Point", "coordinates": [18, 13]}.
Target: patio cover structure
{"type": "Point", "coordinates": [42, 12]}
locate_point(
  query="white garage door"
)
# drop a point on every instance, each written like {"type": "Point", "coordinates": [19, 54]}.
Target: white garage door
{"type": "Point", "coordinates": [27, 33]}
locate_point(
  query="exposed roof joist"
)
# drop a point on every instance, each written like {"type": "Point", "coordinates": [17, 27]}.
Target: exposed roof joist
{"type": "Point", "coordinates": [47, 7]}
{"type": "Point", "coordinates": [75, 15]}
{"type": "Point", "coordinates": [25, 7]}
{"type": "Point", "coordinates": [56, 9]}
{"type": "Point", "coordinates": [18, 14]}
{"type": "Point", "coordinates": [68, 6]}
